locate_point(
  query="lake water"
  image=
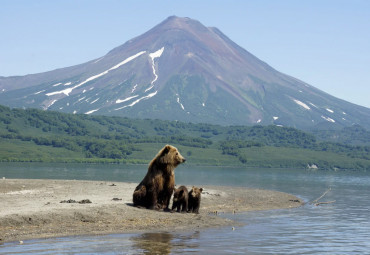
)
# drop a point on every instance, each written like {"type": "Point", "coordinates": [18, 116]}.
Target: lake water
{"type": "Point", "coordinates": [342, 227]}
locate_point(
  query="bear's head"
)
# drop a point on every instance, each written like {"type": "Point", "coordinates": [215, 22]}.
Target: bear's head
{"type": "Point", "coordinates": [169, 155]}
{"type": "Point", "coordinates": [180, 194]}
{"type": "Point", "coordinates": [195, 192]}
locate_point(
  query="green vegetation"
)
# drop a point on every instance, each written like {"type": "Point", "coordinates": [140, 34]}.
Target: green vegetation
{"type": "Point", "coordinates": [354, 135]}
{"type": "Point", "coordinates": [44, 136]}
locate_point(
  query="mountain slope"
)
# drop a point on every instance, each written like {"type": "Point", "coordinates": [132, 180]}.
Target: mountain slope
{"type": "Point", "coordinates": [182, 70]}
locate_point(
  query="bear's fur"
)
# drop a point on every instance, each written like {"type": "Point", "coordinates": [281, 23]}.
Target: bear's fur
{"type": "Point", "coordinates": [155, 190]}
{"type": "Point", "coordinates": [180, 199]}
{"type": "Point", "coordinates": [139, 195]}
{"type": "Point", "coordinates": [194, 199]}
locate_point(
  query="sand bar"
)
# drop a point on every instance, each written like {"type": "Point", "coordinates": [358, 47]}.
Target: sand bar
{"type": "Point", "coordinates": [32, 209]}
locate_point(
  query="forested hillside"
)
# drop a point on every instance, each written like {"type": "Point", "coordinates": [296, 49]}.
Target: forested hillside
{"type": "Point", "coordinates": [44, 136]}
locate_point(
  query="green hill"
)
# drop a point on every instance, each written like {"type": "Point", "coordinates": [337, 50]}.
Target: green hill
{"type": "Point", "coordinates": [44, 136]}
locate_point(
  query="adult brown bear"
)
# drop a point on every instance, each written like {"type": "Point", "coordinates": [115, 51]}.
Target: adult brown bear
{"type": "Point", "coordinates": [155, 190]}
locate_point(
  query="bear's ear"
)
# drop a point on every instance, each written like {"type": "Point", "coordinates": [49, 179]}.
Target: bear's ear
{"type": "Point", "coordinates": [163, 155]}
{"type": "Point", "coordinates": [201, 189]}
{"type": "Point", "coordinates": [165, 150]}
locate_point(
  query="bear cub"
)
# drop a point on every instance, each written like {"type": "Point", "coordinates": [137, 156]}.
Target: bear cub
{"type": "Point", "coordinates": [180, 199]}
{"type": "Point", "coordinates": [194, 199]}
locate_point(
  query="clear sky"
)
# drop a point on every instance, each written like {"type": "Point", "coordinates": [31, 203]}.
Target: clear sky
{"type": "Point", "coordinates": [325, 43]}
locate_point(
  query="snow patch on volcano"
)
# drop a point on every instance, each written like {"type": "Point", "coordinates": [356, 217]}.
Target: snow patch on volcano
{"type": "Point", "coordinates": [69, 90]}
{"type": "Point", "coordinates": [302, 104]}
{"type": "Point", "coordinates": [153, 56]}
{"type": "Point", "coordinates": [138, 100]}
{"type": "Point", "coordinates": [327, 119]}
{"type": "Point", "coordinates": [178, 101]}
{"type": "Point", "coordinates": [118, 101]}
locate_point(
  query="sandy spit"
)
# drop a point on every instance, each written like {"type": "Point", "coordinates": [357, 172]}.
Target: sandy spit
{"type": "Point", "coordinates": [32, 209]}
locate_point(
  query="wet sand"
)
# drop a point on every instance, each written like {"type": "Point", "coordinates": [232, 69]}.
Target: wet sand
{"type": "Point", "coordinates": [32, 209]}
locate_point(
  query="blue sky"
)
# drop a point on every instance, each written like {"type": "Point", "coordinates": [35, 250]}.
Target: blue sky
{"type": "Point", "coordinates": [324, 43]}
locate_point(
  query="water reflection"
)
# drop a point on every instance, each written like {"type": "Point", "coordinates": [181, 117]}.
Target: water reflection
{"type": "Point", "coordinates": [165, 243]}
{"type": "Point", "coordinates": [152, 243]}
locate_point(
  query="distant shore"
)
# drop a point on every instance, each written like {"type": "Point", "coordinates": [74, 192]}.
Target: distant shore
{"type": "Point", "coordinates": [32, 208]}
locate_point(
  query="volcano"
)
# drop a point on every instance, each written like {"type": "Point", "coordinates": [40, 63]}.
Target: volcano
{"type": "Point", "coordinates": [182, 70]}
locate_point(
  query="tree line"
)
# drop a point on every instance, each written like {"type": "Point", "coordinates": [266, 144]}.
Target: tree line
{"type": "Point", "coordinates": [116, 137]}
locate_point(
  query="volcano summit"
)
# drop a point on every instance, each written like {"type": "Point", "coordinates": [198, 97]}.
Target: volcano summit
{"type": "Point", "coordinates": [182, 70]}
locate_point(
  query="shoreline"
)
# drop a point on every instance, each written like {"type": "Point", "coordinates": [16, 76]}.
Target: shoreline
{"type": "Point", "coordinates": [145, 163]}
{"type": "Point", "coordinates": [32, 208]}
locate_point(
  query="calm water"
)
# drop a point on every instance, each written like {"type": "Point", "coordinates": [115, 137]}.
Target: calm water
{"type": "Point", "coordinates": [342, 227]}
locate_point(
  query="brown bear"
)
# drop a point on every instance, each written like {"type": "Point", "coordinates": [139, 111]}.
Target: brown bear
{"type": "Point", "coordinates": [155, 190]}
{"type": "Point", "coordinates": [194, 199]}
{"type": "Point", "coordinates": [180, 199]}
